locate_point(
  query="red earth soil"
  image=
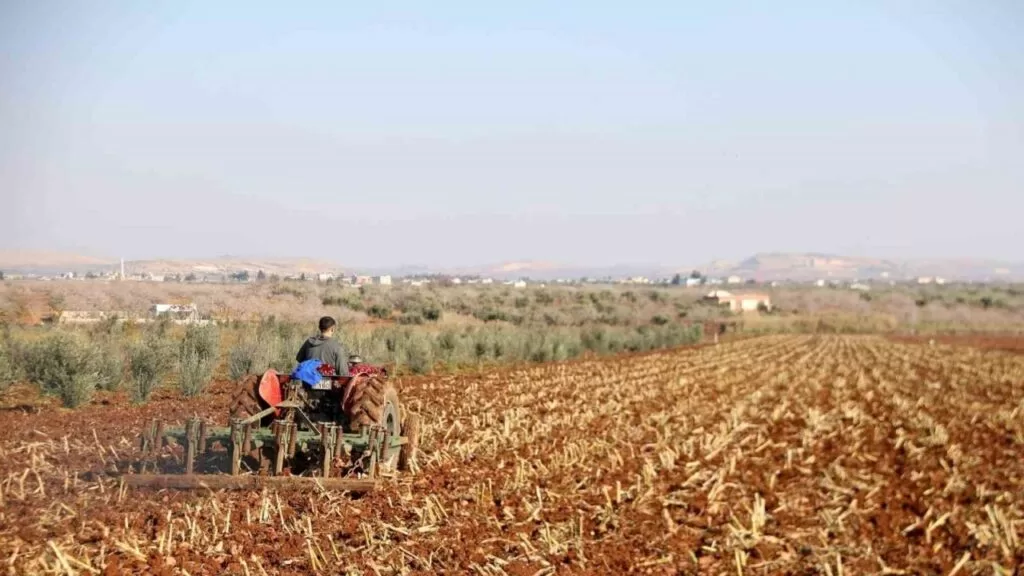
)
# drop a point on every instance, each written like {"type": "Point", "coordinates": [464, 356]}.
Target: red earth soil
{"type": "Point", "coordinates": [774, 455]}
{"type": "Point", "coordinates": [1004, 343]}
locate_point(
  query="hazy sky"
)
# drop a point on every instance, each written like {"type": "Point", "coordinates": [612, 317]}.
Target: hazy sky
{"type": "Point", "coordinates": [447, 133]}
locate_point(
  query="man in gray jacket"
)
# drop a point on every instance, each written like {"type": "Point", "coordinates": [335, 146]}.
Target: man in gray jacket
{"type": "Point", "coordinates": [325, 348]}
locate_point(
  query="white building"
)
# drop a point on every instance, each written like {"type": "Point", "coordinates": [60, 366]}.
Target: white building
{"type": "Point", "coordinates": [324, 277]}
{"type": "Point", "coordinates": [637, 280]}
{"type": "Point", "coordinates": [487, 281]}
{"type": "Point", "coordinates": [519, 284]}
{"type": "Point", "coordinates": [748, 302]}
{"type": "Point", "coordinates": [690, 281]}
{"type": "Point", "coordinates": [859, 286]}
{"type": "Point", "coordinates": [176, 311]}
{"type": "Point", "coordinates": [734, 280]}
{"type": "Point", "coordinates": [384, 280]}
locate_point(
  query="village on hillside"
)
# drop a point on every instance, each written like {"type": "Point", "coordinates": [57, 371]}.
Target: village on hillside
{"type": "Point", "coordinates": [695, 279]}
{"type": "Point", "coordinates": [736, 293]}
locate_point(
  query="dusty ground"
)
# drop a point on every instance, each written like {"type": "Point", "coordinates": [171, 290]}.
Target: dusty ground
{"type": "Point", "coordinates": [777, 455]}
{"type": "Point", "coordinates": [1002, 342]}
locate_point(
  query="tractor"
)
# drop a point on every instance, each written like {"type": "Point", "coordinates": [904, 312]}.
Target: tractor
{"type": "Point", "coordinates": [307, 426]}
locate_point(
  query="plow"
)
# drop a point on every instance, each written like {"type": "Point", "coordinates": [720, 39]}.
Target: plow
{"type": "Point", "coordinates": [337, 432]}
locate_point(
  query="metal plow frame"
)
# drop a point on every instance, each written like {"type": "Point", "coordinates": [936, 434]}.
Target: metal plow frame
{"type": "Point", "coordinates": [284, 438]}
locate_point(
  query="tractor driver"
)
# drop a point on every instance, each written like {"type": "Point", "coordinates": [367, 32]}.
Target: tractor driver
{"type": "Point", "coordinates": [325, 348]}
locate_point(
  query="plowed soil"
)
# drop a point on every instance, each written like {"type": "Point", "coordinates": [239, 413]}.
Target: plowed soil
{"type": "Point", "coordinates": [775, 455]}
{"type": "Point", "coordinates": [1004, 343]}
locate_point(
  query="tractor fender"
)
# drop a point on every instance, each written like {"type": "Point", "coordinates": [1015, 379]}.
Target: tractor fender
{"type": "Point", "coordinates": [270, 388]}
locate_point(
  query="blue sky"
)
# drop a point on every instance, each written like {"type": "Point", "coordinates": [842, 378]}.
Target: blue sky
{"type": "Point", "coordinates": [465, 133]}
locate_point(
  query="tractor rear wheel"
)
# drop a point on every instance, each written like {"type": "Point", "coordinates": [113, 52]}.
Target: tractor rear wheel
{"type": "Point", "coordinates": [375, 402]}
{"type": "Point", "coordinates": [245, 400]}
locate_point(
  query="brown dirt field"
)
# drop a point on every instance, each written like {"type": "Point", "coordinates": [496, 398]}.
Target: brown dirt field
{"type": "Point", "coordinates": [775, 455]}
{"type": "Point", "coordinates": [1000, 342]}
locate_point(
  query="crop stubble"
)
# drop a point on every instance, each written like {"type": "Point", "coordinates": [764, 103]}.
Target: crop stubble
{"type": "Point", "coordinates": [783, 454]}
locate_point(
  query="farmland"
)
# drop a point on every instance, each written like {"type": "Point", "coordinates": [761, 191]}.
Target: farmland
{"type": "Point", "coordinates": [796, 308]}
{"type": "Point", "coordinates": [778, 454]}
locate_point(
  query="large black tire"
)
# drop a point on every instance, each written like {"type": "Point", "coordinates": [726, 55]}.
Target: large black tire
{"type": "Point", "coordinates": [245, 400]}
{"type": "Point", "coordinates": [375, 401]}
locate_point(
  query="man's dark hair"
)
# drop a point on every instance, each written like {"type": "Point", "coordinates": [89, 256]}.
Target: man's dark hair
{"type": "Point", "coordinates": [326, 323]}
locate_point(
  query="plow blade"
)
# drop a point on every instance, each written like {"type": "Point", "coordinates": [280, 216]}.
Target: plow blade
{"type": "Point", "coordinates": [246, 482]}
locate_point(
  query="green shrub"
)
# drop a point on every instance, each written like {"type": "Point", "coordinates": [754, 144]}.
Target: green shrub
{"type": "Point", "coordinates": [491, 315]}
{"type": "Point", "coordinates": [371, 345]}
{"type": "Point", "coordinates": [481, 348]}
{"type": "Point", "coordinates": [109, 326]}
{"type": "Point", "coordinates": [554, 319]}
{"type": "Point", "coordinates": [380, 311]}
{"type": "Point", "coordinates": [990, 302]}
{"type": "Point", "coordinates": [447, 342]}
{"type": "Point", "coordinates": [419, 355]}
{"type": "Point", "coordinates": [8, 373]}
{"type": "Point", "coordinates": [278, 343]}
{"type": "Point", "coordinates": [63, 364]}
{"type": "Point", "coordinates": [594, 339]}
{"type": "Point", "coordinates": [432, 313]}
{"type": "Point", "coordinates": [197, 358]}
{"type": "Point", "coordinates": [243, 358]}
{"type": "Point", "coordinates": [411, 318]}
{"type": "Point", "coordinates": [543, 297]}
{"type": "Point", "coordinates": [110, 363]}
{"type": "Point", "coordinates": [350, 300]}
{"type": "Point", "coordinates": [288, 290]}
{"type": "Point", "coordinates": [270, 345]}
{"type": "Point", "coordinates": [539, 352]}
{"type": "Point", "coordinates": [162, 327]}
{"type": "Point", "coordinates": [149, 362]}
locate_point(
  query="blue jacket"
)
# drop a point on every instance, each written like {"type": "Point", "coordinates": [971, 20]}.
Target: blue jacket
{"type": "Point", "coordinates": [307, 372]}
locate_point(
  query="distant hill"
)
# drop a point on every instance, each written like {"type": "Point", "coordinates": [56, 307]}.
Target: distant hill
{"type": "Point", "coordinates": [52, 263]}
{"type": "Point", "coordinates": [771, 266]}
{"type": "Point", "coordinates": [765, 267]}
{"type": "Point", "coordinates": [230, 264]}
{"type": "Point", "coordinates": [807, 266]}
{"type": "Point", "coordinates": [814, 266]}
{"type": "Point", "coordinates": [48, 262]}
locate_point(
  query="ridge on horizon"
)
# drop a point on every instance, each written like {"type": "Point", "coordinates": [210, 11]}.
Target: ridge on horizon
{"type": "Point", "coordinates": [769, 265]}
